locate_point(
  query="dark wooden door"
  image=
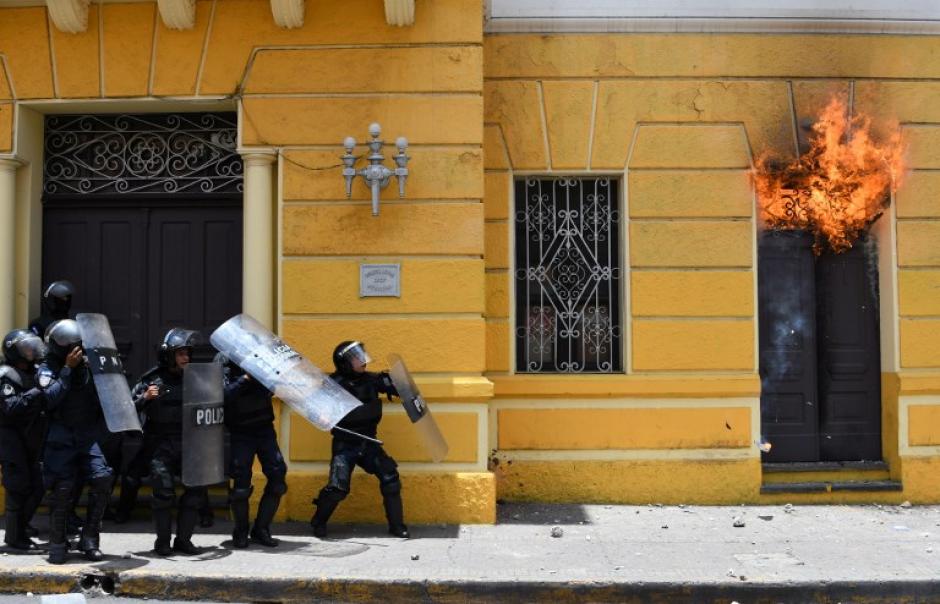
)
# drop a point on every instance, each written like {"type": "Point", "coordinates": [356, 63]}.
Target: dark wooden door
{"type": "Point", "coordinates": [194, 269]}
{"type": "Point", "coordinates": [849, 354]}
{"type": "Point", "coordinates": [147, 267]}
{"type": "Point", "coordinates": [787, 338]}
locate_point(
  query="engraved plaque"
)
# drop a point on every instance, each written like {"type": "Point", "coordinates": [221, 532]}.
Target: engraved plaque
{"type": "Point", "coordinates": [380, 280]}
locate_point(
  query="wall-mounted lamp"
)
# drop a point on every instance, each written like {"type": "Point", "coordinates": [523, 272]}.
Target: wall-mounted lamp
{"type": "Point", "coordinates": [375, 174]}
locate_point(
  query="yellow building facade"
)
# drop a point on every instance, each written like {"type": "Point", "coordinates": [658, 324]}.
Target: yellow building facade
{"type": "Point", "coordinates": [676, 119]}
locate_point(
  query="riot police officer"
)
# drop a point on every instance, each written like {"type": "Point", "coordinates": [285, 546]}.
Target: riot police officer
{"type": "Point", "coordinates": [160, 395]}
{"type": "Point", "coordinates": [73, 446]}
{"type": "Point", "coordinates": [350, 359]}
{"type": "Point", "coordinates": [56, 303]}
{"type": "Point", "coordinates": [22, 431]}
{"type": "Point", "coordinates": [249, 418]}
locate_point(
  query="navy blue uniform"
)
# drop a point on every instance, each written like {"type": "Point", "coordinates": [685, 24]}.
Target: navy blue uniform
{"type": "Point", "coordinates": [73, 450]}
{"type": "Point", "coordinates": [249, 417]}
{"type": "Point", "coordinates": [163, 444]}
{"type": "Point", "coordinates": [349, 451]}
{"type": "Point", "coordinates": [22, 432]}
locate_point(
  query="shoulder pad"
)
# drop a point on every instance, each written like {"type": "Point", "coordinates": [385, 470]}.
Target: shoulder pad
{"type": "Point", "coordinates": [152, 371]}
{"type": "Point", "coordinates": [10, 380]}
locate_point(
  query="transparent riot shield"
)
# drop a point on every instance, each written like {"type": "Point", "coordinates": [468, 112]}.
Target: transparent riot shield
{"type": "Point", "coordinates": [107, 372]}
{"type": "Point", "coordinates": [203, 425]}
{"type": "Point", "coordinates": [283, 371]}
{"type": "Point", "coordinates": [417, 409]}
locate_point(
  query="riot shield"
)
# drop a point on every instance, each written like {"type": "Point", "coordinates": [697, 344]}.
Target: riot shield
{"type": "Point", "coordinates": [283, 371]}
{"type": "Point", "coordinates": [107, 372]}
{"type": "Point", "coordinates": [203, 425]}
{"type": "Point", "coordinates": [417, 409]}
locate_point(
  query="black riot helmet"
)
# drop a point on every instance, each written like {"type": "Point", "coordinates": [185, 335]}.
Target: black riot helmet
{"type": "Point", "coordinates": [176, 339]}
{"type": "Point", "coordinates": [23, 346]}
{"type": "Point", "coordinates": [57, 299]}
{"type": "Point", "coordinates": [61, 337]}
{"type": "Point", "coordinates": [345, 352]}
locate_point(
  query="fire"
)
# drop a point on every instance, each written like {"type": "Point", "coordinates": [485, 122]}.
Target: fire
{"type": "Point", "coordinates": [838, 188]}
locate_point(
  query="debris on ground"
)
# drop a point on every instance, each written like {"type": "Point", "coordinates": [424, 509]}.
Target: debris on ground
{"type": "Point", "coordinates": [738, 522]}
{"type": "Point", "coordinates": [557, 531]}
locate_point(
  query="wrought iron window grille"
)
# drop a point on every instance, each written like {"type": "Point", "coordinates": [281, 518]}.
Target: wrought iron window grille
{"type": "Point", "coordinates": [568, 276]}
{"type": "Point", "coordinates": [150, 154]}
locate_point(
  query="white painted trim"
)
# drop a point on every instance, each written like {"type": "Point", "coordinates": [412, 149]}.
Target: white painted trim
{"type": "Point", "coordinates": [712, 26]}
{"type": "Point", "coordinates": [69, 16]}
{"type": "Point", "coordinates": [400, 13]}
{"type": "Point", "coordinates": [918, 17]}
{"type": "Point", "coordinates": [905, 449]}
{"type": "Point", "coordinates": [629, 454]}
{"type": "Point", "coordinates": [288, 13]}
{"type": "Point", "coordinates": [178, 14]}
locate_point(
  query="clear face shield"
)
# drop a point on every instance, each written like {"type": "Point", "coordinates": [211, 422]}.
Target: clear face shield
{"type": "Point", "coordinates": [356, 355]}
{"type": "Point", "coordinates": [31, 349]}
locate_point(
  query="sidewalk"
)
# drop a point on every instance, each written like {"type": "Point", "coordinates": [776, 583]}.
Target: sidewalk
{"type": "Point", "coordinates": [603, 554]}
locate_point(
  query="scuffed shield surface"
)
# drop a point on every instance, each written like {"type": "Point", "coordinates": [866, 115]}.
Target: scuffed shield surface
{"type": "Point", "coordinates": [285, 372]}
{"type": "Point", "coordinates": [203, 425]}
{"type": "Point", "coordinates": [107, 372]}
{"type": "Point", "coordinates": [417, 409]}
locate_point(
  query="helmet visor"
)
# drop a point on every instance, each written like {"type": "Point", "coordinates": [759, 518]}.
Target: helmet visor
{"type": "Point", "coordinates": [356, 352]}
{"type": "Point", "coordinates": [30, 348]}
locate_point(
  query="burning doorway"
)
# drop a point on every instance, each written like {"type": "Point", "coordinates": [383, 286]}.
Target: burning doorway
{"type": "Point", "coordinates": [818, 293]}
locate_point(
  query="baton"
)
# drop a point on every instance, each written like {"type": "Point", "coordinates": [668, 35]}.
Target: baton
{"type": "Point", "coordinates": [363, 436]}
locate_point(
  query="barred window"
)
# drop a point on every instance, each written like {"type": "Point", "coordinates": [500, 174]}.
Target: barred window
{"type": "Point", "coordinates": [568, 275]}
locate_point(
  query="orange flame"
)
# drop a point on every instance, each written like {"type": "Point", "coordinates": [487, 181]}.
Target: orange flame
{"type": "Point", "coordinates": [838, 188]}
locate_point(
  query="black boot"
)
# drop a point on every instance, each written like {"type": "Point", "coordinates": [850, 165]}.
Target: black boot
{"type": "Point", "coordinates": [99, 492]}
{"type": "Point", "coordinates": [58, 553]}
{"type": "Point", "coordinates": [186, 517]}
{"type": "Point", "coordinates": [395, 515]}
{"type": "Point", "coordinates": [29, 510]}
{"type": "Point", "coordinates": [238, 499]}
{"type": "Point", "coordinates": [267, 508]}
{"type": "Point", "coordinates": [326, 504]}
{"type": "Point", "coordinates": [127, 500]}
{"type": "Point", "coordinates": [16, 537]}
{"type": "Point", "coordinates": [60, 503]}
{"type": "Point", "coordinates": [206, 517]}
{"type": "Point", "coordinates": [163, 525]}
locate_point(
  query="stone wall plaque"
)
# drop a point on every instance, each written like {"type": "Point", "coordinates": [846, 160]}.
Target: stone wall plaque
{"type": "Point", "coordinates": [380, 280]}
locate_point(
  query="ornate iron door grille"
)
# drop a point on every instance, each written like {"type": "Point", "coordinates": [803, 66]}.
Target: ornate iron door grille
{"type": "Point", "coordinates": [141, 155]}
{"type": "Point", "coordinates": [568, 275]}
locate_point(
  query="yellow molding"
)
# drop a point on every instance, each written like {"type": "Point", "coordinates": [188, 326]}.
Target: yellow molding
{"type": "Point", "coordinates": [6, 126]}
{"type": "Point", "coordinates": [710, 55]}
{"type": "Point", "coordinates": [624, 428]}
{"type": "Point", "coordinates": [919, 383]}
{"type": "Point", "coordinates": [608, 386]}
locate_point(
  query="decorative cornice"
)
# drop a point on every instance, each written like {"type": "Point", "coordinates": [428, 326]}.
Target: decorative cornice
{"type": "Point", "coordinates": [257, 156]}
{"type": "Point", "coordinates": [69, 16]}
{"type": "Point", "coordinates": [400, 12]}
{"type": "Point", "coordinates": [10, 164]}
{"type": "Point", "coordinates": [288, 13]}
{"type": "Point", "coordinates": [178, 14]}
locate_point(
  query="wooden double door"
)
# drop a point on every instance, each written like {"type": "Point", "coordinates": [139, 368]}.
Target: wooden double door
{"type": "Point", "coordinates": [820, 362]}
{"type": "Point", "coordinates": [148, 265]}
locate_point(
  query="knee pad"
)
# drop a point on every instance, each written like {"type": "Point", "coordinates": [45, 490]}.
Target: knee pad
{"type": "Point", "coordinates": [163, 498]}
{"type": "Point", "coordinates": [275, 487]}
{"type": "Point", "coordinates": [101, 485]}
{"type": "Point", "coordinates": [130, 482]}
{"type": "Point", "coordinates": [240, 494]}
{"type": "Point", "coordinates": [392, 487]}
{"type": "Point", "coordinates": [330, 494]}
{"type": "Point", "coordinates": [193, 498]}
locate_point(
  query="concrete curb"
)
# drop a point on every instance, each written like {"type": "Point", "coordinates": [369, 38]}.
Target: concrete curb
{"type": "Point", "coordinates": [159, 585]}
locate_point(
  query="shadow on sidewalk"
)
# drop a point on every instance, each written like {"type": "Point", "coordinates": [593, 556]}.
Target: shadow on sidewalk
{"type": "Point", "coordinates": [541, 514]}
